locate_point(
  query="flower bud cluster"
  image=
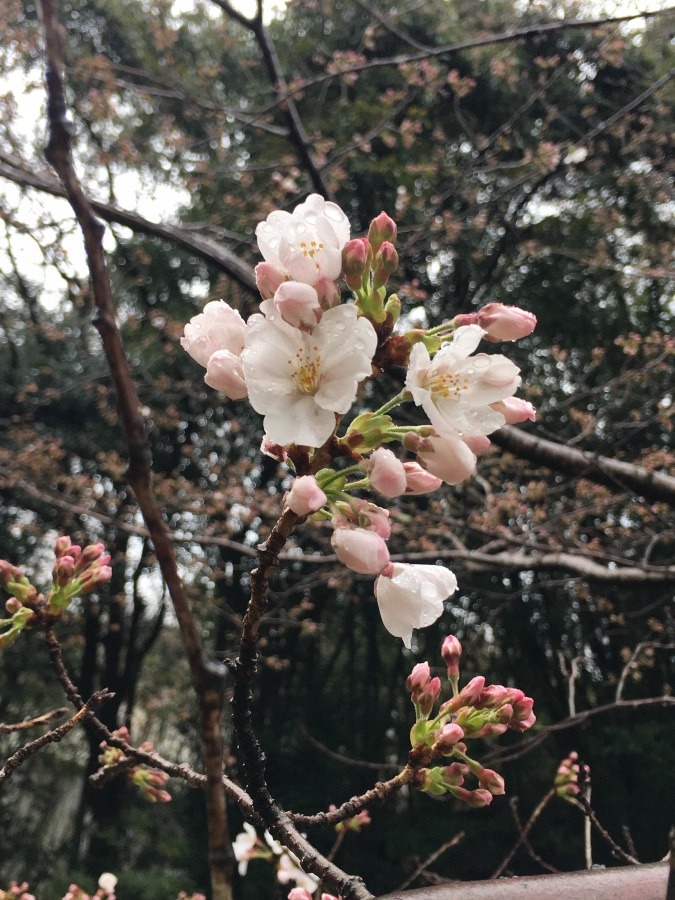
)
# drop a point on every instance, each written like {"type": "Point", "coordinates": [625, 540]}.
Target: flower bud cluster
{"type": "Point", "coordinates": [571, 776]}
{"type": "Point", "coordinates": [76, 571]}
{"type": "Point", "coordinates": [149, 781]}
{"type": "Point", "coordinates": [475, 711]}
{"type": "Point", "coordinates": [17, 891]}
{"type": "Point", "coordinates": [301, 360]}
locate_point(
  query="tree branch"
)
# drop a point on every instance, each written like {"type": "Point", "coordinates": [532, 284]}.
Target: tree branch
{"type": "Point", "coordinates": [207, 681]}
{"type": "Point", "coordinates": [653, 486]}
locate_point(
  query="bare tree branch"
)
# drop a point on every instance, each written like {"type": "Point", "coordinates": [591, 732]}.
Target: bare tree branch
{"type": "Point", "coordinates": [656, 487]}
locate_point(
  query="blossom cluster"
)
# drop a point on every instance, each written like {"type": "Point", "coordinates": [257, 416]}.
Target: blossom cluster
{"type": "Point", "coordinates": [76, 571]}
{"type": "Point", "coordinates": [106, 890]}
{"type": "Point", "coordinates": [247, 846]}
{"type": "Point", "coordinates": [570, 777]}
{"type": "Point", "coordinates": [301, 361]}
{"type": "Point", "coordinates": [476, 711]}
{"type": "Point", "coordinates": [149, 781]}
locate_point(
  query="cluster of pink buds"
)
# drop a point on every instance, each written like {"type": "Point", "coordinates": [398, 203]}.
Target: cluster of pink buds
{"type": "Point", "coordinates": [476, 711]}
{"type": "Point", "coordinates": [571, 776]}
{"type": "Point", "coordinates": [106, 890]}
{"type": "Point", "coordinates": [149, 781]}
{"type": "Point", "coordinates": [17, 891]}
{"type": "Point", "coordinates": [21, 605]}
{"type": "Point", "coordinates": [76, 571]}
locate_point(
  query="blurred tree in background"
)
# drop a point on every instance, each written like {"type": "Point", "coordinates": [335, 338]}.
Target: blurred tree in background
{"type": "Point", "coordinates": [525, 163]}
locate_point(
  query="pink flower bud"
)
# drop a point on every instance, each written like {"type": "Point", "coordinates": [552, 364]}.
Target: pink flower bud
{"type": "Point", "coordinates": [268, 278]}
{"type": "Point", "coordinates": [13, 605]}
{"type": "Point", "coordinates": [471, 691]}
{"type": "Point", "coordinates": [505, 323]}
{"type": "Point", "coordinates": [453, 775]}
{"type": "Point", "coordinates": [298, 893]}
{"type": "Point", "coordinates": [475, 799]}
{"type": "Point", "coordinates": [490, 780]}
{"type": "Point", "coordinates": [298, 304]}
{"type": "Point", "coordinates": [382, 228]}
{"type": "Point", "coordinates": [363, 514]}
{"type": "Point", "coordinates": [386, 473]}
{"type": "Point", "coordinates": [90, 554]}
{"type": "Point", "coordinates": [418, 679]}
{"type": "Point", "coordinates": [327, 292]}
{"type": "Point", "coordinates": [386, 262]}
{"type": "Point", "coordinates": [515, 410]}
{"type": "Point", "coordinates": [429, 695]}
{"type": "Point", "coordinates": [493, 696]}
{"type": "Point", "coordinates": [360, 550]}
{"type": "Point", "coordinates": [61, 546]}
{"type": "Point", "coordinates": [447, 457]}
{"type": "Point", "coordinates": [451, 650]}
{"type": "Point", "coordinates": [418, 480]}
{"type": "Point", "coordinates": [63, 571]}
{"type": "Point", "coordinates": [356, 255]}
{"type": "Point", "coordinates": [448, 737]}
{"type": "Point", "coordinates": [225, 373]}
{"type": "Point", "coordinates": [305, 496]}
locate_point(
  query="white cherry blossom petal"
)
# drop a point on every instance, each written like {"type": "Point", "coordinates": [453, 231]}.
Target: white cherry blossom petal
{"type": "Point", "coordinates": [412, 597]}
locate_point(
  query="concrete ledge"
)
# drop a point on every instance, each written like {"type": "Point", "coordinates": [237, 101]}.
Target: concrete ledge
{"type": "Point", "coordinates": [648, 882]}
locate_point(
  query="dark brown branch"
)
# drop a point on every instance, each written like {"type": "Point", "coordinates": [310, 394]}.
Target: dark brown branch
{"type": "Point", "coordinates": [275, 73]}
{"type": "Point", "coordinates": [279, 823]}
{"type": "Point", "coordinates": [214, 254]}
{"type": "Point", "coordinates": [351, 807]}
{"type": "Point", "coordinates": [53, 736]}
{"type": "Point", "coordinates": [207, 682]}
{"type": "Point", "coordinates": [656, 487]}
{"type": "Point", "coordinates": [532, 853]}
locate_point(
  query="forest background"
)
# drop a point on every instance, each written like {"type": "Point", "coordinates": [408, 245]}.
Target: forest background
{"type": "Point", "coordinates": [525, 157]}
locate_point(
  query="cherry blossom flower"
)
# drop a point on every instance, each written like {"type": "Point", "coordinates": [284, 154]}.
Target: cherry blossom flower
{"type": "Point", "coordinates": [411, 596]}
{"type": "Point", "coordinates": [289, 869]}
{"type": "Point", "coordinates": [298, 381]}
{"type": "Point", "coordinates": [298, 304]}
{"type": "Point", "coordinates": [244, 846]}
{"type": "Point", "coordinates": [419, 480]}
{"type": "Point", "coordinates": [307, 243]}
{"type": "Point", "coordinates": [455, 389]}
{"type": "Point", "coordinates": [218, 327]}
{"type": "Point", "coordinates": [107, 882]}
{"type": "Point", "coordinates": [215, 339]}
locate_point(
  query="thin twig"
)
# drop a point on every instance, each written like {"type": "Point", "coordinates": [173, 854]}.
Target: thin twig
{"type": "Point", "coordinates": [513, 806]}
{"type": "Point", "coordinates": [538, 810]}
{"type": "Point", "coordinates": [32, 723]}
{"type": "Point", "coordinates": [53, 736]}
{"type": "Point", "coordinates": [431, 859]}
{"type": "Point", "coordinates": [618, 851]}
